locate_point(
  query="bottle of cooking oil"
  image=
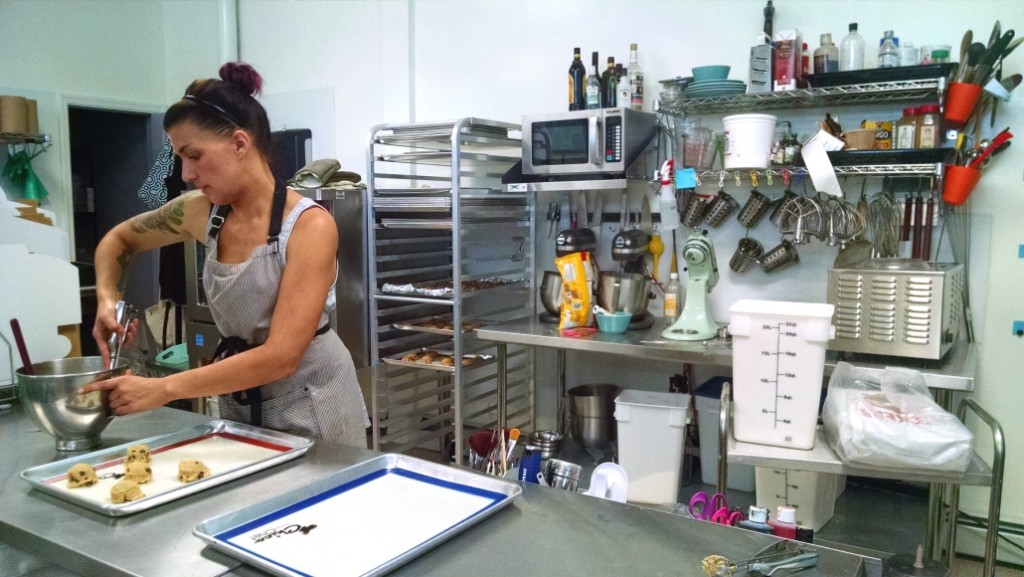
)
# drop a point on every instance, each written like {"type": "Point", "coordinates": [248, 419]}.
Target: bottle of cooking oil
{"type": "Point", "coordinates": [673, 298]}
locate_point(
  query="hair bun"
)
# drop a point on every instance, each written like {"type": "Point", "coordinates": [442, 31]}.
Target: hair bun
{"type": "Point", "coordinates": [242, 75]}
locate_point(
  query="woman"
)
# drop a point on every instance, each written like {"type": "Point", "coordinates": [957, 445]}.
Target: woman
{"type": "Point", "coordinates": [269, 275]}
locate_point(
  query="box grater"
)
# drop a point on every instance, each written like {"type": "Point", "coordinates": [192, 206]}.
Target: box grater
{"type": "Point", "coordinates": [897, 307]}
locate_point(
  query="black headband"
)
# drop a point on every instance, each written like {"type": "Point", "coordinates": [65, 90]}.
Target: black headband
{"type": "Point", "coordinates": [222, 112]}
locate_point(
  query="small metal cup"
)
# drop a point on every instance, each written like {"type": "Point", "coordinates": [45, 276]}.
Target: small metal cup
{"type": "Point", "coordinates": [746, 256]}
{"type": "Point", "coordinates": [756, 207]}
{"type": "Point", "coordinates": [693, 212]}
{"type": "Point", "coordinates": [780, 257]}
{"type": "Point", "coordinates": [563, 474]}
{"type": "Point", "coordinates": [720, 209]}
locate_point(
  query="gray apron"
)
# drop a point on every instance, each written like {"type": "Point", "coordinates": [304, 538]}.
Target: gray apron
{"type": "Point", "coordinates": [322, 398]}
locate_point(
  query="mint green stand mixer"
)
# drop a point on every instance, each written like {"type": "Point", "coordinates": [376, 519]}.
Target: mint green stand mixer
{"type": "Point", "coordinates": [696, 323]}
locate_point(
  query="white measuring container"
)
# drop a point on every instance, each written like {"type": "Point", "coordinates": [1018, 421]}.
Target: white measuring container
{"type": "Point", "coordinates": [778, 360]}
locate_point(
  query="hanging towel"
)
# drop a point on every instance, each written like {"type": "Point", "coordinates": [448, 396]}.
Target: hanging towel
{"type": "Point", "coordinates": [153, 191]}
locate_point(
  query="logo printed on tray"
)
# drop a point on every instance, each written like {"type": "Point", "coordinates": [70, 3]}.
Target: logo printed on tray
{"type": "Point", "coordinates": [281, 532]}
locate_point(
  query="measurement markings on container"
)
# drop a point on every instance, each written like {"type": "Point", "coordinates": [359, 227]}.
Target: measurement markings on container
{"type": "Point", "coordinates": [783, 330]}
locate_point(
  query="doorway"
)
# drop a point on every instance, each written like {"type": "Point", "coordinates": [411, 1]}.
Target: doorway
{"type": "Point", "coordinates": [111, 154]}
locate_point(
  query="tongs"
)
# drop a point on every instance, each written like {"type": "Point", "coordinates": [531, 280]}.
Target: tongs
{"type": "Point", "coordinates": [123, 313]}
{"type": "Point", "coordinates": [765, 562]}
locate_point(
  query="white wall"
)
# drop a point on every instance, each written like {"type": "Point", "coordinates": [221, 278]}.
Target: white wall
{"type": "Point", "coordinates": [405, 60]}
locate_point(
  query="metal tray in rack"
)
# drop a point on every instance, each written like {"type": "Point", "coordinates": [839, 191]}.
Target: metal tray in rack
{"type": "Point", "coordinates": [429, 326]}
{"type": "Point", "coordinates": [469, 361]}
{"type": "Point", "coordinates": [416, 504]}
{"type": "Point", "coordinates": [230, 450]}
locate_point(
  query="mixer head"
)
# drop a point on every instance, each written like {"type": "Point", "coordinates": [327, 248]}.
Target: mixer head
{"type": "Point", "coordinates": [575, 240]}
{"type": "Point", "coordinates": [630, 245]}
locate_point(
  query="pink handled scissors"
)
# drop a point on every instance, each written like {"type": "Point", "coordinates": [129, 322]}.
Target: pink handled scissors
{"type": "Point", "coordinates": [714, 509]}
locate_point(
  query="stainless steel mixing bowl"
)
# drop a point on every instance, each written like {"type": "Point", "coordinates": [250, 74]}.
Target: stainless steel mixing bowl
{"type": "Point", "coordinates": [592, 415]}
{"type": "Point", "coordinates": [551, 292]}
{"type": "Point", "coordinates": [50, 397]}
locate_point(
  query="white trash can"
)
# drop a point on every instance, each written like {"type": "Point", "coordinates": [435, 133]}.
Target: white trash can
{"type": "Point", "coordinates": [709, 405]}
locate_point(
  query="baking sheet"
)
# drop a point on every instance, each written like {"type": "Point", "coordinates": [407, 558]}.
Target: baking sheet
{"type": "Point", "coordinates": [371, 517]}
{"type": "Point", "coordinates": [230, 450]}
{"type": "Point", "coordinates": [423, 326]}
{"type": "Point", "coordinates": [443, 288]}
{"type": "Point", "coordinates": [477, 360]}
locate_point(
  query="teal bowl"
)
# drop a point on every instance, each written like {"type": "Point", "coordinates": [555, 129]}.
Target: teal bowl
{"type": "Point", "coordinates": [708, 73]}
{"type": "Point", "coordinates": [614, 323]}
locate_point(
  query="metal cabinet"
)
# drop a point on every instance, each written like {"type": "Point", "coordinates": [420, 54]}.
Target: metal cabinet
{"type": "Point", "coordinates": [449, 251]}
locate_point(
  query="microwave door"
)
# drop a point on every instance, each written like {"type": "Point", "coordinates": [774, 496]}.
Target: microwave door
{"type": "Point", "coordinates": [562, 146]}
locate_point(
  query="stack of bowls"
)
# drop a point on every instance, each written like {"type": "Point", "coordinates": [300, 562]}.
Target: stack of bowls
{"type": "Point", "coordinates": [710, 81]}
{"type": "Point", "coordinates": [592, 415]}
{"type": "Point", "coordinates": [549, 442]}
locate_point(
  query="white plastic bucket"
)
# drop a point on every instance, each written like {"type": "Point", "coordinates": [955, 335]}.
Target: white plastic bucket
{"type": "Point", "coordinates": [778, 360]}
{"type": "Point", "coordinates": [748, 140]}
{"type": "Point", "coordinates": [650, 429]}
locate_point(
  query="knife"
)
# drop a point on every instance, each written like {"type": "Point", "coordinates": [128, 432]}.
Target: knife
{"type": "Point", "coordinates": [584, 218]}
{"type": "Point", "coordinates": [598, 208]}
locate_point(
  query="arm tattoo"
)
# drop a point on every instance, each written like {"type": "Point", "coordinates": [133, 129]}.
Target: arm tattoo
{"type": "Point", "coordinates": [124, 260]}
{"type": "Point", "coordinates": [168, 218]}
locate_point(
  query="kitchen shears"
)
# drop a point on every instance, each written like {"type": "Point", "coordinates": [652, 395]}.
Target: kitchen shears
{"type": "Point", "coordinates": [714, 509]}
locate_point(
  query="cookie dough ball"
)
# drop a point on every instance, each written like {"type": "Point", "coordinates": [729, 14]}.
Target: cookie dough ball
{"type": "Point", "coordinates": [82, 475]}
{"type": "Point", "coordinates": [125, 491]}
{"type": "Point", "coordinates": [190, 470]}
{"type": "Point", "coordinates": [139, 472]}
{"type": "Point", "coordinates": [139, 454]}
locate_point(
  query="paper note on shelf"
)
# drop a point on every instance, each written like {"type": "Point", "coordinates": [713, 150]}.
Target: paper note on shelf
{"type": "Point", "coordinates": [819, 167]}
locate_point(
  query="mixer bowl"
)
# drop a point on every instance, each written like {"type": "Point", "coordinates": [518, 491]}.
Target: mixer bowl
{"type": "Point", "coordinates": [551, 292]}
{"type": "Point", "coordinates": [623, 292]}
{"type": "Point", "coordinates": [51, 400]}
{"type": "Point", "coordinates": [592, 415]}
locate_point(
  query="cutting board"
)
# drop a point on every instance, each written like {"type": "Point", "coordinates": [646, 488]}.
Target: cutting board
{"type": "Point", "coordinates": [42, 292]}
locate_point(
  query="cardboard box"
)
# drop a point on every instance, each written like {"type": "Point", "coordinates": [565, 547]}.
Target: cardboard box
{"type": "Point", "coordinates": [788, 46]}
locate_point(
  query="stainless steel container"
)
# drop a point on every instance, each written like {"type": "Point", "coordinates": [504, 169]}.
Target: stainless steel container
{"type": "Point", "coordinates": [623, 292]}
{"type": "Point", "coordinates": [592, 416]}
{"type": "Point", "coordinates": [897, 307]}
{"type": "Point", "coordinates": [551, 292]}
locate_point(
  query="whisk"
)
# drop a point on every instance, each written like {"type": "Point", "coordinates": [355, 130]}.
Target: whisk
{"type": "Point", "coordinates": [800, 217]}
{"type": "Point", "coordinates": [844, 222]}
{"type": "Point", "coordinates": [884, 222]}
{"type": "Point", "coordinates": [958, 221]}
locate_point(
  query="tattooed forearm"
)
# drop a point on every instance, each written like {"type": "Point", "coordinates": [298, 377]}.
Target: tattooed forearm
{"type": "Point", "coordinates": [168, 218]}
{"type": "Point", "coordinates": [124, 260]}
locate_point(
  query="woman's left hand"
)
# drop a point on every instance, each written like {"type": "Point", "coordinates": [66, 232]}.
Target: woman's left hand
{"type": "Point", "coordinates": [130, 393]}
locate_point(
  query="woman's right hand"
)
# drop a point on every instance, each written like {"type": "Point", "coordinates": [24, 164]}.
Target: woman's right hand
{"type": "Point", "coordinates": [106, 326]}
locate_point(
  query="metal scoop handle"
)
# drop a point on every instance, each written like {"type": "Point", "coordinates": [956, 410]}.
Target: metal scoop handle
{"type": "Point", "coordinates": [801, 561]}
{"type": "Point", "coordinates": [123, 314]}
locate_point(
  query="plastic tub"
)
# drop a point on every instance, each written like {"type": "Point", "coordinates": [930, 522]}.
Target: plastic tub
{"type": "Point", "coordinates": [778, 360]}
{"type": "Point", "coordinates": [709, 404]}
{"type": "Point", "coordinates": [748, 140]}
{"type": "Point", "coordinates": [813, 495]}
{"type": "Point", "coordinates": [651, 427]}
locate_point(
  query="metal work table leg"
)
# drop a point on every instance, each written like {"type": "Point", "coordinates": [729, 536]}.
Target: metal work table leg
{"type": "Point", "coordinates": [502, 383]}
{"type": "Point", "coordinates": [723, 438]}
{"type": "Point", "coordinates": [560, 409]}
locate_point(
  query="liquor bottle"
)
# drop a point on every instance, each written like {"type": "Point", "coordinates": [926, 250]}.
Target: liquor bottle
{"type": "Point", "coordinates": [594, 85]}
{"type": "Point", "coordinates": [577, 82]}
{"type": "Point", "coordinates": [625, 94]}
{"type": "Point", "coordinates": [888, 53]}
{"type": "Point", "coordinates": [636, 79]}
{"type": "Point", "coordinates": [609, 85]}
{"type": "Point", "coordinates": [851, 50]}
{"type": "Point", "coordinates": [826, 56]}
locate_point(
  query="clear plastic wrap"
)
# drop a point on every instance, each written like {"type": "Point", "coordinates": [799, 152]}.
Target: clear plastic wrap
{"type": "Point", "coordinates": [893, 424]}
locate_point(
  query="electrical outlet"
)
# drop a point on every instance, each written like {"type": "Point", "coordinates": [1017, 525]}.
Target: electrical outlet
{"type": "Point", "coordinates": [1018, 328]}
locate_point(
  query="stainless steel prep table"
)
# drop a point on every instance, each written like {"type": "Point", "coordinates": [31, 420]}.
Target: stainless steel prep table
{"type": "Point", "coordinates": [545, 532]}
{"type": "Point", "coordinates": [954, 372]}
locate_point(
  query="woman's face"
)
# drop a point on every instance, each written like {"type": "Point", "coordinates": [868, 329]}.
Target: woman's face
{"type": "Point", "coordinates": [209, 161]}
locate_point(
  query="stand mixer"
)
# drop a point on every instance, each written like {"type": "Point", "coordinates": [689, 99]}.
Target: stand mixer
{"type": "Point", "coordinates": [628, 289]}
{"type": "Point", "coordinates": [696, 323]}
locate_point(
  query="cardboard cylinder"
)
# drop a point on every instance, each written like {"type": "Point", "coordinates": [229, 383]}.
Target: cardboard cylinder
{"type": "Point", "coordinates": [31, 116]}
{"type": "Point", "coordinates": [958, 183]}
{"type": "Point", "coordinates": [13, 114]}
{"type": "Point", "coordinates": [960, 101]}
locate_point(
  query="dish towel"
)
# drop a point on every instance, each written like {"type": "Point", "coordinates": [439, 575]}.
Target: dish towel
{"type": "Point", "coordinates": [316, 173]}
{"type": "Point", "coordinates": [153, 192]}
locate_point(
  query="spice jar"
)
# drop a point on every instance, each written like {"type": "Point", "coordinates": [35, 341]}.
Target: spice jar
{"type": "Point", "coordinates": [929, 126]}
{"type": "Point", "coordinates": [906, 129]}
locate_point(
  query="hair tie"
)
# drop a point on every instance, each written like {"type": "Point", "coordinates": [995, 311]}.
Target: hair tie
{"type": "Point", "coordinates": [220, 110]}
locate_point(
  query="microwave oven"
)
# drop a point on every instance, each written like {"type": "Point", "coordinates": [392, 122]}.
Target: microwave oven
{"type": "Point", "coordinates": [601, 140]}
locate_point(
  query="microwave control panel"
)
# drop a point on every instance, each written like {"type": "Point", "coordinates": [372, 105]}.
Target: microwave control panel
{"type": "Point", "coordinates": [613, 139]}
